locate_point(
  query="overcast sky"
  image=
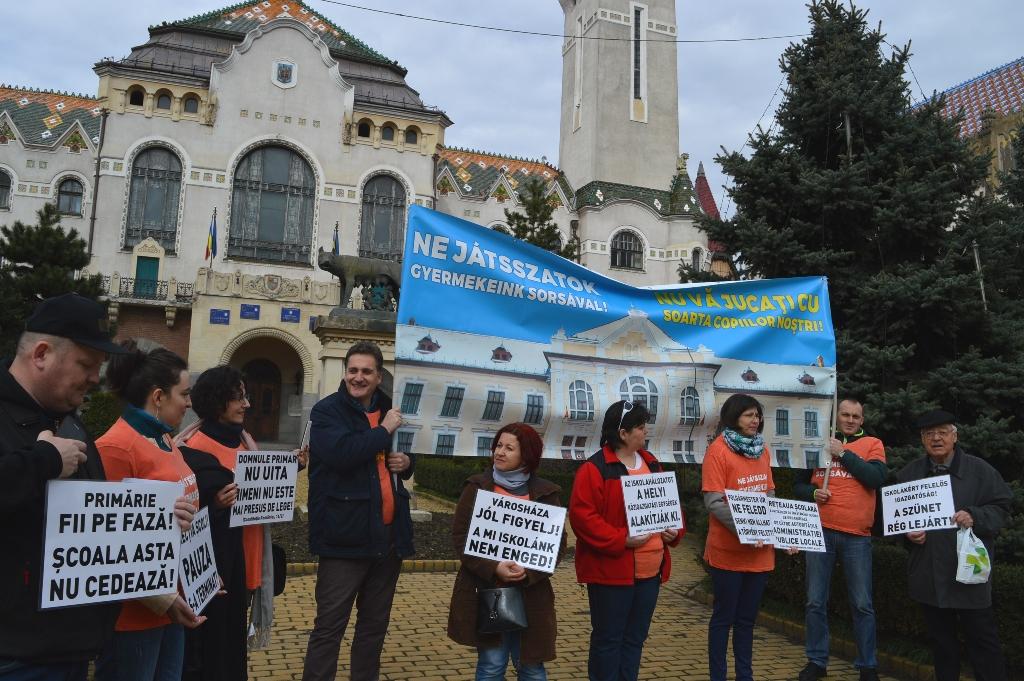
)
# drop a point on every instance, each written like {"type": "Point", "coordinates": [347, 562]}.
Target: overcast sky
{"type": "Point", "coordinates": [502, 90]}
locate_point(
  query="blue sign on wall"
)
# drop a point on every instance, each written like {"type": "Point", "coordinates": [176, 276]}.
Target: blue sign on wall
{"type": "Point", "coordinates": [250, 311]}
{"type": "Point", "coordinates": [220, 316]}
{"type": "Point", "coordinates": [290, 314]}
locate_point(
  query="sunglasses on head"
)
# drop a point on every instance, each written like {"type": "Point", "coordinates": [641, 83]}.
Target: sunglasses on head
{"type": "Point", "coordinates": [627, 407]}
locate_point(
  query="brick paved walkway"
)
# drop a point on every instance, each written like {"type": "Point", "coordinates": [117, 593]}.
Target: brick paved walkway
{"type": "Point", "coordinates": [417, 648]}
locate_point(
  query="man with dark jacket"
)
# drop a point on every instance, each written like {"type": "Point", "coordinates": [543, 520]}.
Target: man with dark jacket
{"type": "Point", "coordinates": [359, 520]}
{"type": "Point", "coordinates": [982, 501]}
{"type": "Point", "coordinates": [846, 502]}
{"type": "Point", "coordinates": [57, 362]}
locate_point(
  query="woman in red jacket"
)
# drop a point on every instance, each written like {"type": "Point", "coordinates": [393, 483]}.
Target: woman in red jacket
{"type": "Point", "coordinates": [623, 574]}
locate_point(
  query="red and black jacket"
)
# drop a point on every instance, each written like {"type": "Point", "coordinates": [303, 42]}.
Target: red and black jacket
{"type": "Point", "coordinates": [597, 513]}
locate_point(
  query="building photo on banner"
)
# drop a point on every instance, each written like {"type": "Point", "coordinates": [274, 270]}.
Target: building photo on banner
{"type": "Point", "coordinates": [492, 329]}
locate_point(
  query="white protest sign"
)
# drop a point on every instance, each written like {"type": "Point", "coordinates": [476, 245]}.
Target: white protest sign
{"type": "Point", "coordinates": [199, 579]}
{"type": "Point", "coordinates": [505, 528]}
{"type": "Point", "coordinates": [796, 525]}
{"type": "Point", "coordinates": [109, 541]}
{"type": "Point", "coordinates": [266, 488]}
{"type": "Point", "coordinates": [751, 516]}
{"type": "Point", "coordinates": [925, 504]}
{"type": "Point", "coordinates": [652, 503]}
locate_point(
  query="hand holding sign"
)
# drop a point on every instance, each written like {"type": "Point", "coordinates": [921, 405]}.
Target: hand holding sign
{"type": "Point", "coordinates": [509, 571]}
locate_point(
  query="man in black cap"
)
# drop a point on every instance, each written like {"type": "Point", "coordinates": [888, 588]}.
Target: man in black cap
{"type": "Point", "coordinates": [982, 501]}
{"type": "Point", "coordinates": [57, 362]}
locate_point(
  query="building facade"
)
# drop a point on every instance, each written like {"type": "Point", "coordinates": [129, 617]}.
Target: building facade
{"type": "Point", "coordinates": [277, 126]}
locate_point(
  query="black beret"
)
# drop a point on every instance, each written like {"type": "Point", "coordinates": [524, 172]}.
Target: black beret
{"type": "Point", "coordinates": [935, 417]}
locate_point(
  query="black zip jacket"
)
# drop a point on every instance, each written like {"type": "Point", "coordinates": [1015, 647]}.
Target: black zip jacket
{"type": "Point", "coordinates": [26, 465]}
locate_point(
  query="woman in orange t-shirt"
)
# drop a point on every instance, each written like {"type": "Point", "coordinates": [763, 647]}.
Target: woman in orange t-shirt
{"type": "Point", "coordinates": [149, 638]}
{"type": "Point", "coordinates": [738, 460]}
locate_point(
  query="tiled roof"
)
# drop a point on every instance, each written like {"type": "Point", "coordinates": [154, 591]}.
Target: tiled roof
{"type": "Point", "coordinates": [680, 200]}
{"type": "Point", "coordinates": [476, 172]}
{"type": "Point", "coordinates": [43, 116]}
{"type": "Point", "coordinates": [1000, 90]}
{"type": "Point", "coordinates": [707, 203]}
{"type": "Point", "coordinates": [241, 18]}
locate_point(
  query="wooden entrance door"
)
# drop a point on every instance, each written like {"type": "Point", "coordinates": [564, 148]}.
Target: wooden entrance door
{"type": "Point", "coordinates": [263, 382]}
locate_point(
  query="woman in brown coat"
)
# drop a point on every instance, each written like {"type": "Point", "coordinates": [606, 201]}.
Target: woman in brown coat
{"type": "Point", "coordinates": [516, 453]}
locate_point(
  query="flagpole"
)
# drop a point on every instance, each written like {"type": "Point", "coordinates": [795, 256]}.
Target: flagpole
{"type": "Point", "coordinates": [213, 237]}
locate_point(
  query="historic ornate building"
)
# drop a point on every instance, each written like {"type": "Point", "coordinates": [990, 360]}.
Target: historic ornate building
{"type": "Point", "coordinates": [993, 108]}
{"type": "Point", "coordinates": [284, 126]}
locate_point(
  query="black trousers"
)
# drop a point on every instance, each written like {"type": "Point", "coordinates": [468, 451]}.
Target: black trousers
{"type": "Point", "coordinates": [983, 647]}
{"type": "Point", "coordinates": [370, 585]}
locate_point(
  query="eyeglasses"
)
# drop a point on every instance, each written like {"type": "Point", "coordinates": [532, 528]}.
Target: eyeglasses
{"type": "Point", "coordinates": [941, 432]}
{"type": "Point", "coordinates": [627, 407]}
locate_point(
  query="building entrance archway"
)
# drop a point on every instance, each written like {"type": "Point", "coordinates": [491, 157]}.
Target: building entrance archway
{"type": "Point", "coordinates": [263, 383]}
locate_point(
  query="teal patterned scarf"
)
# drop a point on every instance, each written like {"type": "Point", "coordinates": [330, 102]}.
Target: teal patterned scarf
{"type": "Point", "coordinates": [750, 447]}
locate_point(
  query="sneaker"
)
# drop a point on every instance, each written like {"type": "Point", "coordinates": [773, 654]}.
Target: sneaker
{"type": "Point", "coordinates": [813, 672]}
{"type": "Point", "coordinates": [868, 674]}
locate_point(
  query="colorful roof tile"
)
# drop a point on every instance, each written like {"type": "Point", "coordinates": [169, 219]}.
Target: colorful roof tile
{"type": "Point", "coordinates": [44, 116]}
{"type": "Point", "coordinates": [1000, 90]}
{"type": "Point", "coordinates": [239, 19]}
{"type": "Point", "coordinates": [707, 203]}
{"type": "Point", "coordinates": [476, 172]}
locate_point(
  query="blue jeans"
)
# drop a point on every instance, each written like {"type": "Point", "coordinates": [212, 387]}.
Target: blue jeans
{"type": "Point", "coordinates": [737, 600]}
{"type": "Point", "coordinates": [620, 617]}
{"type": "Point", "coordinates": [155, 654]}
{"type": "Point", "coordinates": [492, 662]}
{"type": "Point", "coordinates": [13, 670]}
{"type": "Point", "coordinates": [855, 553]}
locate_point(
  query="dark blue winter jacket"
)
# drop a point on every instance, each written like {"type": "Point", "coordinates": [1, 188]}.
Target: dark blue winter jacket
{"type": "Point", "coordinates": [345, 519]}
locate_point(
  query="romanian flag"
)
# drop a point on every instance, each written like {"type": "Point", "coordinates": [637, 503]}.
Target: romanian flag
{"type": "Point", "coordinates": [211, 239]}
{"type": "Point", "coordinates": [336, 247]}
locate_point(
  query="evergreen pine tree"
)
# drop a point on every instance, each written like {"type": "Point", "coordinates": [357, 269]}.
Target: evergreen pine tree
{"type": "Point", "coordinates": [38, 261]}
{"type": "Point", "coordinates": [534, 225]}
{"type": "Point", "coordinates": [854, 184]}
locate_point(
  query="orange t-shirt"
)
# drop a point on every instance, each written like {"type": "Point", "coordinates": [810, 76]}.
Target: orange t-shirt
{"type": "Point", "coordinates": [126, 453]}
{"type": "Point", "coordinates": [647, 558]}
{"type": "Point", "coordinates": [252, 535]}
{"type": "Point", "coordinates": [387, 495]}
{"type": "Point", "coordinates": [852, 506]}
{"type": "Point", "coordinates": [724, 469]}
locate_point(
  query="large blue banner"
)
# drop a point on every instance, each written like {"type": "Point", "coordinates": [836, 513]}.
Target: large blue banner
{"type": "Point", "coordinates": [493, 330]}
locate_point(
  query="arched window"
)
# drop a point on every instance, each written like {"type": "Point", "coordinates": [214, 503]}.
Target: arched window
{"type": "Point", "coordinates": [689, 407]}
{"type": "Point", "coordinates": [272, 206]}
{"type": "Point", "coordinates": [501, 227]}
{"type": "Point", "coordinates": [69, 197]}
{"type": "Point", "coordinates": [382, 228]}
{"type": "Point", "coordinates": [412, 136]}
{"type": "Point", "coordinates": [191, 105]}
{"type": "Point", "coordinates": [697, 259]}
{"type": "Point", "coordinates": [642, 390]}
{"type": "Point", "coordinates": [153, 198]}
{"type": "Point", "coordinates": [136, 96]}
{"type": "Point", "coordinates": [581, 401]}
{"type": "Point", "coordinates": [5, 190]}
{"type": "Point", "coordinates": [163, 101]}
{"type": "Point", "coordinates": [363, 129]}
{"type": "Point", "coordinates": [387, 133]}
{"type": "Point", "coordinates": [628, 251]}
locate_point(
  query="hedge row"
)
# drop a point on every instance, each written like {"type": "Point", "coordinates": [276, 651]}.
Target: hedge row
{"type": "Point", "coordinates": [898, 618]}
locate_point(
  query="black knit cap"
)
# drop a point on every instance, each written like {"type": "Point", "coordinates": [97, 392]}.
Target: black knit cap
{"type": "Point", "coordinates": [935, 417]}
{"type": "Point", "coordinates": [76, 318]}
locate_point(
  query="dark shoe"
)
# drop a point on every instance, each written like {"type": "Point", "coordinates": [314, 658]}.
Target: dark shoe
{"type": "Point", "coordinates": [813, 672]}
{"type": "Point", "coordinates": [868, 674]}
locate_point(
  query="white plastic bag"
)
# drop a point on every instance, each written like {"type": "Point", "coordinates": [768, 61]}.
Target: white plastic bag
{"type": "Point", "coordinates": [974, 565]}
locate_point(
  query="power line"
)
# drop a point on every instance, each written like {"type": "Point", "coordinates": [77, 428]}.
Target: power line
{"type": "Point", "coordinates": [542, 34]}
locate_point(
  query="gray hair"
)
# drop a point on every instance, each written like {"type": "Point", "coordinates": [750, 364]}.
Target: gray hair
{"type": "Point", "coordinates": [28, 340]}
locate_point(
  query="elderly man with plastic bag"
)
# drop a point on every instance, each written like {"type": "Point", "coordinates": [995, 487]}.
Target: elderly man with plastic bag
{"type": "Point", "coordinates": [982, 501]}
